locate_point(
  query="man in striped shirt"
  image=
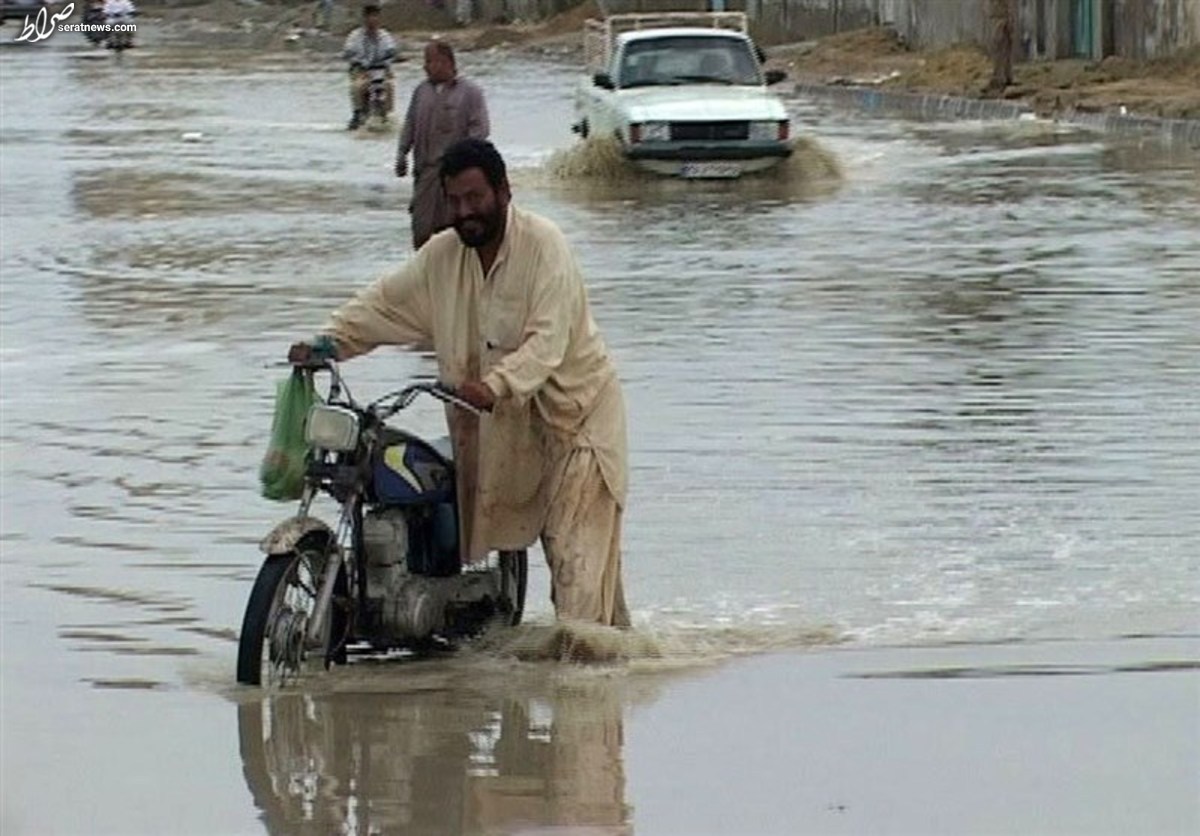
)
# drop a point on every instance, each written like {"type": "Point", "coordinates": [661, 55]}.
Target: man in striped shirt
{"type": "Point", "coordinates": [369, 47]}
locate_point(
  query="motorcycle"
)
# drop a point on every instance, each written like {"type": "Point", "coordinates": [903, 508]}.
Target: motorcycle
{"type": "Point", "coordinates": [120, 34]}
{"type": "Point", "coordinates": [386, 576]}
{"type": "Point", "coordinates": [379, 96]}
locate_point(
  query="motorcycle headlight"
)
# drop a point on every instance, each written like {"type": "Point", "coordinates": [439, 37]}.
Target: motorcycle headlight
{"type": "Point", "coordinates": [654, 132]}
{"type": "Point", "coordinates": [331, 428]}
{"type": "Point", "coordinates": [769, 131]}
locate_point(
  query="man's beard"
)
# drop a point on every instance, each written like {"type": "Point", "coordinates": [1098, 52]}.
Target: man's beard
{"type": "Point", "coordinates": [480, 229]}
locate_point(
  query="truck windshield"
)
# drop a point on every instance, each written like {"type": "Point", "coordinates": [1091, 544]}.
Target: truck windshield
{"type": "Point", "coordinates": [688, 59]}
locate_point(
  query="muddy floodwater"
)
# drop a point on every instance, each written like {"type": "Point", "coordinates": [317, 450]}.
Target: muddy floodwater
{"type": "Point", "coordinates": [915, 479]}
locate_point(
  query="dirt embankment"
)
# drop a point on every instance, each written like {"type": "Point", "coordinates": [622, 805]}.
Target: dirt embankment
{"type": "Point", "coordinates": [1168, 88]}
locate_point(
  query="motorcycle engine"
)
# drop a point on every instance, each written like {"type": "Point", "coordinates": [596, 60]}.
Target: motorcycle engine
{"type": "Point", "coordinates": [385, 540]}
{"type": "Point", "coordinates": [407, 606]}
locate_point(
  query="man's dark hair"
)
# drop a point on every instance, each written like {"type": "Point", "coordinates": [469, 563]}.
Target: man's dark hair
{"type": "Point", "coordinates": [371, 8]}
{"type": "Point", "coordinates": [475, 153]}
{"type": "Point", "coordinates": [444, 49]}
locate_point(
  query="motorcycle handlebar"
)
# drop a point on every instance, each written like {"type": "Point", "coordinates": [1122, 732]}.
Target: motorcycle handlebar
{"type": "Point", "coordinates": [437, 389]}
{"type": "Point", "coordinates": [311, 365]}
{"type": "Point", "coordinates": [401, 399]}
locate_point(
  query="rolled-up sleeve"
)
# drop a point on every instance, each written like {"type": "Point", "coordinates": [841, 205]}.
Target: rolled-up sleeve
{"type": "Point", "coordinates": [395, 309]}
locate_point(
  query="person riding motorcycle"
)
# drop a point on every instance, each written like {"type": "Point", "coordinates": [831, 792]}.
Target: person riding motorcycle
{"type": "Point", "coordinates": [119, 13]}
{"type": "Point", "coordinates": [369, 47]}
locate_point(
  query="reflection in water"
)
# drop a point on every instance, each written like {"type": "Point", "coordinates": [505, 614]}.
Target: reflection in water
{"type": "Point", "coordinates": [483, 757]}
{"type": "Point", "coordinates": [503, 736]}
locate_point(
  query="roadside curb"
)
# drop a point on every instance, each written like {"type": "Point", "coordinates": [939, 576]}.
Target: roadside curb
{"type": "Point", "coordinates": [1182, 132]}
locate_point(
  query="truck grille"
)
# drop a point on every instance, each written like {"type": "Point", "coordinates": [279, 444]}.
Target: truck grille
{"type": "Point", "coordinates": [688, 131]}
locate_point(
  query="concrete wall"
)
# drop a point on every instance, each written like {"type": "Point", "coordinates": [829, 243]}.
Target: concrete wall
{"type": "Point", "coordinates": [775, 21]}
{"type": "Point", "coordinates": [1130, 28]}
{"type": "Point", "coordinates": [921, 22]}
{"type": "Point", "coordinates": [795, 20]}
{"type": "Point", "coordinates": [494, 11]}
{"type": "Point", "coordinates": [1153, 28]}
{"type": "Point", "coordinates": [932, 23]}
{"type": "Point", "coordinates": [1045, 28]}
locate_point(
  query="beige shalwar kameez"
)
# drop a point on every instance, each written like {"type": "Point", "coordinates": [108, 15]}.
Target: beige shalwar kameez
{"type": "Point", "coordinates": [438, 116]}
{"type": "Point", "coordinates": [550, 459]}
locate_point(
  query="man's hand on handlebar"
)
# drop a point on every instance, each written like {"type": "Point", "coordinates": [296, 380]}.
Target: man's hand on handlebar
{"type": "Point", "coordinates": [300, 354]}
{"type": "Point", "coordinates": [312, 354]}
{"type": "Point", "coordinates": [477, 394]}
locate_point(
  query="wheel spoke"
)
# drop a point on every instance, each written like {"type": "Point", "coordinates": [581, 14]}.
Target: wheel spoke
{"type": "Point", "coordinates": [285, 646]}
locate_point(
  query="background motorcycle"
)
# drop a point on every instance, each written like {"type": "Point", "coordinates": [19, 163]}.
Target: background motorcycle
{"type": "Point", "coordinates": [387, 574]}
{"type": "Point", "coordinates": [122, 39]}
{"type": "Point", "coordinates": [379, 97]}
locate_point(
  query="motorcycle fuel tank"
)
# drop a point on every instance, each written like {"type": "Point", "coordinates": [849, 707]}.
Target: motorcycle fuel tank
{"type": "Point", "coordinates": [408, 472]}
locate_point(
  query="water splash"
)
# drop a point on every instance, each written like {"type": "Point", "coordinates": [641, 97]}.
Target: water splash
{"type": "Point", "coordinates": [597, 165]}
{"type": "Point", "coordinates": [647, 649]}
{"type": "Point", "coordinates": [595, 158]}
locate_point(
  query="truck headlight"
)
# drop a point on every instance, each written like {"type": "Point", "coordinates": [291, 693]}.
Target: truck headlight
{"type": "Point", "coordinates": [774, 131]}
{"type": "Point", "coordinates": [650, 132]}
{"type": "Point", "coordinates": [333, 428]}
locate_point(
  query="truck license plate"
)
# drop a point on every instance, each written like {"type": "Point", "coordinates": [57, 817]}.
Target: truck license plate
{"type": "Point", "coordinates": [710, 170]}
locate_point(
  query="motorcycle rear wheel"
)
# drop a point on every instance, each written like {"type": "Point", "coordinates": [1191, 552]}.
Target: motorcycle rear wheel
{"type": "Point", "coordinates": [272, 647]}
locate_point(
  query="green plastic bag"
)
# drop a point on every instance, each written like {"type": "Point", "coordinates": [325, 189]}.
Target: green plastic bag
{"type": "Point", "coordinates": [282, 470]}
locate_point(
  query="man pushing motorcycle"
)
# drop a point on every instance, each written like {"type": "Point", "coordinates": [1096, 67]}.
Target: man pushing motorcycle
{"type": "Point", "coordinates": [501, 302]}
{"type": "Point", "coordinates": [369, 48]}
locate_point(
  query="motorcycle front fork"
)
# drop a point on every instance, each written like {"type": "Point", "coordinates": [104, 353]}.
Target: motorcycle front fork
{"type": "Point", "coordinates": [319, 624]}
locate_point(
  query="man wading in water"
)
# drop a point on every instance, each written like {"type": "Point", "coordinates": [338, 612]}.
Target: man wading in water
{"type": "Point", "coordinates": [500, 300]}
{"type": "Point", "coordinates": [443, 109]}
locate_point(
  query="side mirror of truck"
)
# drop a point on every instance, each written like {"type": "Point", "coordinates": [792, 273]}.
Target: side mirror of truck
{"type": "Point", "coordinates": [775, 76]}
{"type": "Point", "coordinates": [604, 80]}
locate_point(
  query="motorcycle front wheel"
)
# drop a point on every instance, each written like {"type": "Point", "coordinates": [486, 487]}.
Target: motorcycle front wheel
{"type": "Point", "coordinates": [273, 646]}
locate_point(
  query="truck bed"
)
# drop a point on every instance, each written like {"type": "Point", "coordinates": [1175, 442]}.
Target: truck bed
{"type": "Point", "coordinates": [599, 36]}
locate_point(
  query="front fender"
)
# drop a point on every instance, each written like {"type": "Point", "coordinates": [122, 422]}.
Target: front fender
{"type": "Point", "coordinates": [287, 535]}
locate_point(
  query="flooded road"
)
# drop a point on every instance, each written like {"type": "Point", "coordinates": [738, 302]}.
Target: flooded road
{"type": "Point", "coordinates": [949, 400]}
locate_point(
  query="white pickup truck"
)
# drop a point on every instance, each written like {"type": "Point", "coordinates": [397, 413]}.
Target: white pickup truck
{"type": "Point", "coordinates": [684, 93]}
